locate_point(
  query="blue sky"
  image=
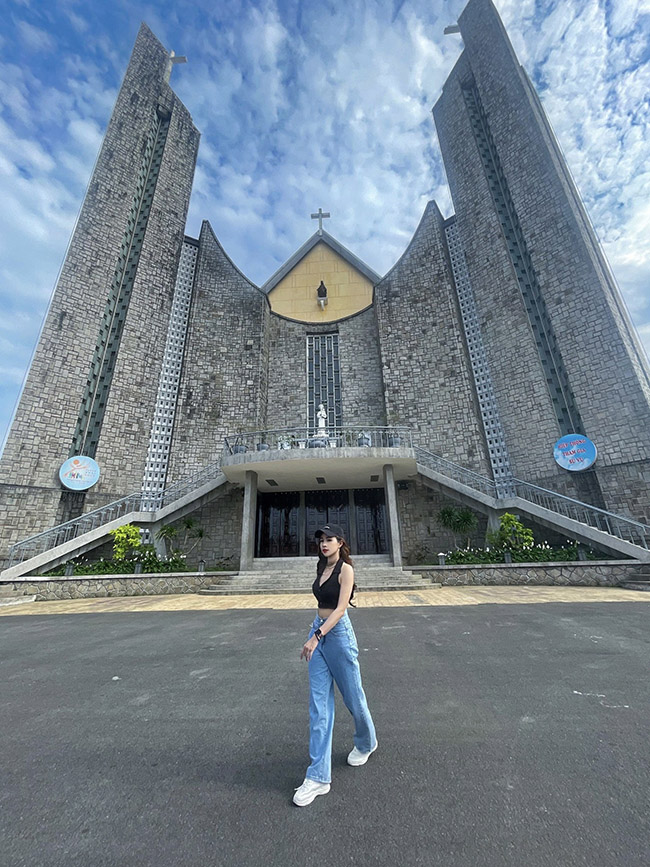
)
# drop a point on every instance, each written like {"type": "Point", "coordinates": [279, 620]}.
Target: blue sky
{"type": "Point", "coordinates": [304, 105]}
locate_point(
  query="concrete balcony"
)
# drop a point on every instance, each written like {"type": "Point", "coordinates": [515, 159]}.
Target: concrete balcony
{"type": "Point", "coordinates": [296, 459]}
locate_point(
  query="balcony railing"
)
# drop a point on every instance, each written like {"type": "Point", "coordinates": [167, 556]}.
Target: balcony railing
{"type": "Point", "coordinates": [318, 438]}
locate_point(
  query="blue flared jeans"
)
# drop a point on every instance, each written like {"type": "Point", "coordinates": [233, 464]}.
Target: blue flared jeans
{"type": "Point", "coordinates": [335, 660]}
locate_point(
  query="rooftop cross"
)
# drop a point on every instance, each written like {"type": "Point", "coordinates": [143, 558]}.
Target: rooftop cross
{"type": "Point", "coordinates": [320, 216]}
{"type": "Point", "coordinates": [171, 62]}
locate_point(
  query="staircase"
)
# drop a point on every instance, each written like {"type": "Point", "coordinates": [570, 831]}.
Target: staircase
{"type": "Point", "coordinates": [641, 580]}
{"type": "Point", "coordinates": [273, 575]}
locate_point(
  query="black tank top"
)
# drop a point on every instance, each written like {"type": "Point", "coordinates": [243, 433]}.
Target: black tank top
{"type": "Point", "coordinates": [327, 595]}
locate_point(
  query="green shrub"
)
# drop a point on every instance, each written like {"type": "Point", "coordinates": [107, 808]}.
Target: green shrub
{"type": "Point", "coordinates": [511, 536]}
{"type": "Point", "coordinates": [126, 540]}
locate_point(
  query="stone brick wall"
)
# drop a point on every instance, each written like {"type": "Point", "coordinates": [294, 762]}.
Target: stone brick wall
{"type": "Point", "coordinates": [41, 435]}
{"type": "Point", "coordinates": [17, 521]}
{"type": "Point", "coordinates": [99, 586]}
{"type": "Point", "coordinates": [608, 374]}
{"type": "Point", "coordinates": [593, 574]}
{"type": "Point", "coordinates": [362, 387]}
{"type": "Point", "coordinates": [423, 537]}
{"type": "Point", "coordinates": [427, 378]}
{"type": "Point", "coordinates": [223, 381]}
{"type": "Point", "coordinates": [287, 372]}
{"type": "Point", "coordinates": [222, 521]}
{"type": "Point", "coordinates": [596, 573]}
{"type": "Point", "coordinates": [362, 396]}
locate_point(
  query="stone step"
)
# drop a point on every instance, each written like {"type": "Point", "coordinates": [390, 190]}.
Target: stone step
{"type": "Point", "coordinates": [302, 588]}
{"type": "Point", "coordinates": [274, 590]}
{"type": "Point", "coordinates": [302, 581]}
{"type": "Point", "coordinates": [14, 598]}
{"type": "Point", "coordinates": [299, 564]}
{"type": "Point", "coordinates": [635, 585]}
{"type": "Point", "coordinates": [364, 578]}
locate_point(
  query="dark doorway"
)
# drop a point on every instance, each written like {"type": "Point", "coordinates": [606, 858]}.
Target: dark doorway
{"type": "Point", "coordinates": [321, 508]}
{"type": "Point", "coordinates": [277, 525]}
{"type": "Point", "coordinates": [370, 515]}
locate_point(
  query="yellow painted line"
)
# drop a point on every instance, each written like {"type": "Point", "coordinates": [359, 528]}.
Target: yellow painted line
{"type": "Point", "coordinates": [499, 595]}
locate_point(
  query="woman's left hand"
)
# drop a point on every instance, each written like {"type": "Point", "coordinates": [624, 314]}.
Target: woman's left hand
{"type": "Point", "coordinates": [309, 647]}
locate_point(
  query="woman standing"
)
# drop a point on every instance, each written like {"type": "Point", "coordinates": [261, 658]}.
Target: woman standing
{"type": "Point", "coordinates": [332, 653]}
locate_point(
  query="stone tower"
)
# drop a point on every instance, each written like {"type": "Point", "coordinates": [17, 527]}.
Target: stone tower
{"type": "Point", "coordinates": [561, 352]}
{"type": "Point", "coordinates": [91, 388]}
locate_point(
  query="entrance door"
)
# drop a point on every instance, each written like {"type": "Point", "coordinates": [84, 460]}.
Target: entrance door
{"type": "Point", "coordinates": [370, 516]}
{"type": "Point", "coordinates": [321, 508]}
{"type": "Point", "coordinates": [277, 525]}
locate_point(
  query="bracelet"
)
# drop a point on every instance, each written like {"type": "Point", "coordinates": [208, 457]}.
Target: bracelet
{"type": "Point", "coordinates": [318, 634]}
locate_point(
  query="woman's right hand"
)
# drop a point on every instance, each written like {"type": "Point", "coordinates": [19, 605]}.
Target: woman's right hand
{"type": "Point", "coordinates": [309, 647]}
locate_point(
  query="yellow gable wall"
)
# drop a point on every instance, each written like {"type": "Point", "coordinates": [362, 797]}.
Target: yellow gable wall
{"type": "Point", "coordinates": [348, 291]}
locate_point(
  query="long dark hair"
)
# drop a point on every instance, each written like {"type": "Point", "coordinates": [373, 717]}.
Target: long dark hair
{"type": "Point", "coordinates": [344, 554]}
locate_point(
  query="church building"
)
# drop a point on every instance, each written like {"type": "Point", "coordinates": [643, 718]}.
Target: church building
{"type": "Point", "coordinates": [332, 393]}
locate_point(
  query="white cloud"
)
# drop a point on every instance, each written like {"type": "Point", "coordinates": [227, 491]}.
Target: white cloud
{"type": "Point", "coordinates": [34, 38]}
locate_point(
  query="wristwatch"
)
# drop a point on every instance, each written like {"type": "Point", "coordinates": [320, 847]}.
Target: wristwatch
{"type": "Point", "coordinates": [318, 634]}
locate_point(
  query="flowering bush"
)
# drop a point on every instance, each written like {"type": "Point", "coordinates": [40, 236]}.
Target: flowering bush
{"type": "Point", "coordinates": [538, 552]}
{"type": "Point", "coordinates": [120, 566]}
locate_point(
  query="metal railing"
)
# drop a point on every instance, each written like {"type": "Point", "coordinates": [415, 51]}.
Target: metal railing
{"type": "Point", "coordinates": [309, 437]}
{"type": "Point", "coordinates": [456, 472]}
{"type": "Point", "coordinates": [618, 526]}
{"type": "Point", "coordinates": [146, 501]}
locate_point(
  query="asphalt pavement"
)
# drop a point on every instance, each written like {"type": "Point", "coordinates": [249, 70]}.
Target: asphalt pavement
{"type": "Point", "coordinates": [508, 735]}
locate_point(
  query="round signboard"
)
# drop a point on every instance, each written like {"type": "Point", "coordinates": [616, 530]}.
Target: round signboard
{"type": "Point", "coordinates": [79, 473]}
{"type": "Point", "coordinates": [575, 452]}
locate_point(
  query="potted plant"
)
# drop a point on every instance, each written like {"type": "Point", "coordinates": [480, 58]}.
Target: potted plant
{"type": "Point", "coordinates": [363, 440]}
{"type": "Point", "coordinates": [393, 438]}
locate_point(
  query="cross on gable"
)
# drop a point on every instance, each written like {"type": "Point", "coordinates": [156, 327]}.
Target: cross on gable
{"type": "Point", "coordinates": [320, 216]}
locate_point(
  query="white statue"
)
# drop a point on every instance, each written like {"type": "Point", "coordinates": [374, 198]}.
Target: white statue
{"type": "Point", "coordinates": [321, 415]}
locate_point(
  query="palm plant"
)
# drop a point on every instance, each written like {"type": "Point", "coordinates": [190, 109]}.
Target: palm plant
{"type": "Point", "coordinates": [461, 522]}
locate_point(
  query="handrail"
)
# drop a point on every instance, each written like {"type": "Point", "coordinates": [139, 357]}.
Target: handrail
{"type": "Point", "coordinates": [142, 501]}
{"type": "Point", "coordinates": [455, 471]}
{"type": "Point", "coordinates": [358, 436]}
{"type": "Point", "coordinates": [615, 525]}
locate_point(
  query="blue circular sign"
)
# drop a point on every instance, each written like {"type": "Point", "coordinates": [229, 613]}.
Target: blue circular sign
{"type": "Point", "coordinates": [79, 473]}
{"type": "Point", "coordinates": [575, 452]}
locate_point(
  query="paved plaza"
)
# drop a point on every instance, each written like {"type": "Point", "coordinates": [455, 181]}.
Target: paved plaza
{"type": "Point", "coordinates": [512, 728]}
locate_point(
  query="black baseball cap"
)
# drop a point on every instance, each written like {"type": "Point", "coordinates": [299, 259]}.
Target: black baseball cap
{"type": "Point", "coordinates": [330, 530]}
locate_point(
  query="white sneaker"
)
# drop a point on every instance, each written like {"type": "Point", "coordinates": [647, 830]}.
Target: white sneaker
{"type": "Point", "coordinates": [309, 790]}
{"type": "Point", "coordinates": [357, 758]}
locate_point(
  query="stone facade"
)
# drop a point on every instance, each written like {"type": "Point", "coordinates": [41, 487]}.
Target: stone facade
{"type": "Point", "coordinates": [423, 537]}
{"type": "Point", "coordinates": [223, 384]}
{"type": "Point", "coordinates": [362, 394]}
{"type": "Point", "coordinates": [427, 379]}
{"type": "Point", "coordinates": [607, 374]}
{"type": "Point", "coordinates": [221, 520]}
